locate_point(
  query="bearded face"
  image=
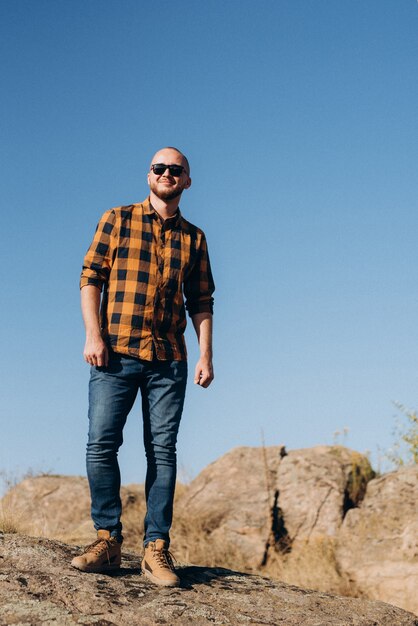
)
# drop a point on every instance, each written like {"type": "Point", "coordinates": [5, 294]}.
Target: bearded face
{"type": "Point", "coordinates": [165, 186]}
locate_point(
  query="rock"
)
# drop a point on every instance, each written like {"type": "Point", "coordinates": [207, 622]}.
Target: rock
{"type": "Point", "coordinates": [58, 507]}
{"type": "Point", "coordinates": [233, 497]}
{"type": "Point", "coordinates": [264, 510]}
{"type": "Point", "coordinates": [258, 499]}
{"type": "Point", "coordinates": [377, 545]}
{"type": "Point", "coordinates": [38, 586]}
{"type": "Point", "coordinates": [316, 486]}
{"type": "Point", "coordinates": [51, 506]}
{"type": "Point", "coordinates": [251, 499]}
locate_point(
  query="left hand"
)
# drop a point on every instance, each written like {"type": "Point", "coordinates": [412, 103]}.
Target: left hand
{"type": "Point", "coordinates": [203, 374]}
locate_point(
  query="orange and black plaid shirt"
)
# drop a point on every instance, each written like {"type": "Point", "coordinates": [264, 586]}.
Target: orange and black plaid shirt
{"type": "Point", "coordinates": [144, 265]}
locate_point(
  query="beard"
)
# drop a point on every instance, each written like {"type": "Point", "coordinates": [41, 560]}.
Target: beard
{"type": "Point", "coordinates": [169, 195]}
{"type": "Point", "coordinates": [166, 194]}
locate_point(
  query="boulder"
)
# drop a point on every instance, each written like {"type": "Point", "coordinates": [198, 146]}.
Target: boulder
{"type": "Point", "coordinates": [232, 498]}
{"type": "Point", "coordinates": [377, 545]}
{"type": "Point", "coordinates": [58, 507]}
{"type": "Point", "coordinates": [258, 499]}
{"type": "Point", "coordinates": [38, 586]}
{"type": "Point", "coordinates": [316, 486]}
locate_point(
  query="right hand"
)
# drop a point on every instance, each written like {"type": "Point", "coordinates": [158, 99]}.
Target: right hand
{"type": "Point", "coordinates": [96, 352]}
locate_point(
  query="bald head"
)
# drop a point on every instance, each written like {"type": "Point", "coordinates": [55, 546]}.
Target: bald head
{"type": "Point", "coordinates": [171, 152]}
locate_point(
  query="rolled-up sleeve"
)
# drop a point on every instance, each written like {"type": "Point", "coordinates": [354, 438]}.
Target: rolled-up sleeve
{"type": "Point", "coordinates": [98, 260]}
{"type": "Point", "coordinates": [199, 285]}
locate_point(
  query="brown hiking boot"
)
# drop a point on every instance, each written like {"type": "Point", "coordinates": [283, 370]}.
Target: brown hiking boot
{"type": "Point", "coordinates": [157, 564]}
{"type": "Point", "coordinates": [103, 555]}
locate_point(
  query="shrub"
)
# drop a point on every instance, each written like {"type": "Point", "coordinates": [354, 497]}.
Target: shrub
{"type": "Point", "coordinates": [405, 448]}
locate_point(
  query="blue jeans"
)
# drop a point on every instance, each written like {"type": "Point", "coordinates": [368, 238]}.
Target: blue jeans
{"type": "Point", "coordinates": [112, 392]}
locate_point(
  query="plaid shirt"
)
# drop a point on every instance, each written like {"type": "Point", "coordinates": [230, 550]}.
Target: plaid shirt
{"type": "Point", "coordinates": [144, 265]}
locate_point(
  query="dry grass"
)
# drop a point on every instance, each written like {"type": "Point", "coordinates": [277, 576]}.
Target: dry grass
{"type": "Point", "coordinates": [195, 543]}
{"type": "Point", "coordinates": [133, 522]}
{"type": "Point", "coordinates": [8, 524]}
{"type": "Point", "coordinates": [193, 539]}
{"type": "Point", "coordinates": [310, 564]}
{"type": "Point", "coordinates": [10, 521]}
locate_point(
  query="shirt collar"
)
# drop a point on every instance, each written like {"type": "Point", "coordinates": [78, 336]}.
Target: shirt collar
{"type": "Point", "coordinates": [171, 222]}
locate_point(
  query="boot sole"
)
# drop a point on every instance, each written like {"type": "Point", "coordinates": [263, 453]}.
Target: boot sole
{"type": "Point", "coordinates": [99, 569]}
{"type": "Point", "coordinates": [159, 581]}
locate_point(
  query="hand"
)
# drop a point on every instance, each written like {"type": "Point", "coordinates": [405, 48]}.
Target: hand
{"type": "Point", "coordinates": [96, 352]}
{"type": "Point", "coordinates": [203, 374]}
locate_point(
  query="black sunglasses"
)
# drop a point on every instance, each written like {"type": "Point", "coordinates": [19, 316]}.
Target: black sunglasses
{"type": "Point", "coordinates": [160, 168]}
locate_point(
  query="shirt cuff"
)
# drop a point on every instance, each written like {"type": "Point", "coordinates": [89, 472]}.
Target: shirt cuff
{"type": "Point", "coordinates": [200, 307]}
{"type": "Point", "coordinates": [96, 282]}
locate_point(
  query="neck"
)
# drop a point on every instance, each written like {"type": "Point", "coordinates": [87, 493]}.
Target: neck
{"type": "Point", "coordinates": [165, 209]}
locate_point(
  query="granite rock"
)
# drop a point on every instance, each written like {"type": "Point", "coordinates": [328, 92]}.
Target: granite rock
{"type": "Point", "coordinates": [39, 587]}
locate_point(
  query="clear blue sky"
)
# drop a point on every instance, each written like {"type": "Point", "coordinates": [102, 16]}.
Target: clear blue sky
{"type": "Point", "coordinates": [300, 122]}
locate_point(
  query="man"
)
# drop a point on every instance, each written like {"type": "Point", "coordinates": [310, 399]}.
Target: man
{"type": "Point", "coordinates": [145, 257]}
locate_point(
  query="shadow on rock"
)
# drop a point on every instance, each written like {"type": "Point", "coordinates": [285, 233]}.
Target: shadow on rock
{"type": "Point", "coordinates": [192, 575]}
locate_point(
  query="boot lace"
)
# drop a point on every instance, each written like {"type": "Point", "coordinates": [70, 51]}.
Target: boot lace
{"type": "Point", "coordinates": [99, 546]}
{"type": "Point", "coordinates": [164, 558]}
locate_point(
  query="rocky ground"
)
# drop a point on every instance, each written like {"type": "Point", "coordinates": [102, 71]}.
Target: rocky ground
{"type": "Point", "coordinates": [39, 587]}
{"type": "Point", "coordinates": [316, 518]}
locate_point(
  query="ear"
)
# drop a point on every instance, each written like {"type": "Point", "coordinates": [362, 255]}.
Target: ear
{"type": "Point", "coordinates": [188, 183]}
{"type": "Point", "coordinates": [148, 179]}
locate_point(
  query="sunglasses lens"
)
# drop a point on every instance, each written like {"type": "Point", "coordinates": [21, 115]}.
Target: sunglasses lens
{"type": "Point", "coordinates": [160, 168]}
{"type": "Point", "coordinates": [175, 170]}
